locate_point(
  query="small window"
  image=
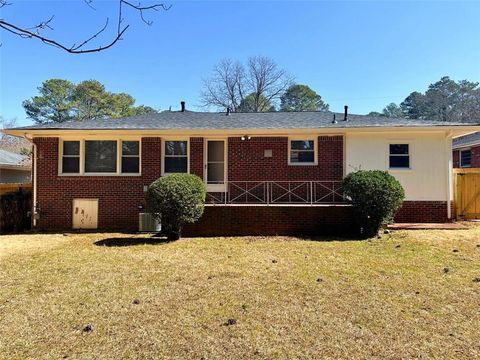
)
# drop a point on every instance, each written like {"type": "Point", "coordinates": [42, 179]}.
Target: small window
{"type": "Point", "coordinates": [466, 158]}
{"type": "Point", "coordinates": [130, 157]}
{"type": "Point", "coordinates": [101, 156]}
{"type": "Point", "coordinates": [71, 157]}
{"type": "Point", "coordinates": [399, 156]}
{"type": "Point", "coordinates": [176, 157]}
{"type": "Point", "coordinates": [302, 152]}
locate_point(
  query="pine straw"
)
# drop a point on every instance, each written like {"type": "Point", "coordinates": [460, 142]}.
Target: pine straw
{"type": "Point", "coordinates": [241, 298]}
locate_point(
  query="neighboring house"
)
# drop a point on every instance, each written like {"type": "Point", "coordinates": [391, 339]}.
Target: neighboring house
{"type": "Point", "coordinates": [265, 173]}
{"type": "Point", "coordinates": [14, 168]}
{"type": "Point", "coordinates": [466, 151]}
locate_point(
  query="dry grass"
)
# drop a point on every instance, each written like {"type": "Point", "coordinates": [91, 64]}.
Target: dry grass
{"type": "Point", "coordinates": [388, 298]}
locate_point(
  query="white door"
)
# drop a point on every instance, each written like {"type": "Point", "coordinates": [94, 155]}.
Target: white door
{"type": "Point", "coordinates": [215, 174]}
{"type": "Point", "coordinates": [85, 213]}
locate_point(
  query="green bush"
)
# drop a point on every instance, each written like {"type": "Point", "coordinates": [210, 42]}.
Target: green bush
{"type": "Point", "coordinates": [14, 211]}
{"type": "Point", "coordinates": [376, 196]}
{"type": "Point", "coordinates": [178, 199]}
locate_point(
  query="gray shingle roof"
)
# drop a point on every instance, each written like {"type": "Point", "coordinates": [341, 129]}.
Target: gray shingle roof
{"type": "Point", "coordinates": [467, 140]}
{"type": "Point", "coordinates": [8, 158]}
{"type": "Point", "coordinates": [189, 120]}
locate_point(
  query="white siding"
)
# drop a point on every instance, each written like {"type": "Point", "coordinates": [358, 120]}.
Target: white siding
{"type": "Point", "coordinates": [428, 177]}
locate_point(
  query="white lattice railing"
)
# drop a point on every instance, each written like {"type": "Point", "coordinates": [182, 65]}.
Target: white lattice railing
{"type": "Point", "coordinates": [278, 192]}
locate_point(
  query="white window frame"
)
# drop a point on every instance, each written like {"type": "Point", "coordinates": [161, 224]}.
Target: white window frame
{"type": "Point", "coordinates": [410, 159]}
{"type": "Point", "coordinates": [460, 158]}
{"type": "Point", "coordinates": [82, 155]}
{"type": "Point", "coordinates": [315, 150]}
{"type": "Point", "coordinates": [166, 139]}
{"type": "Point", "coordinates": [130, 156]}
{"type": "Point", "coordinates": [61, 156]}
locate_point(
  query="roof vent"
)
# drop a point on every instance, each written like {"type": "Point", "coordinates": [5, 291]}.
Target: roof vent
{"type": "Point", "coordinates": [182, 103]}
{"type": "Point", "coordinates": [334, 119]}
{"type": "Point", "coordinates": [228, 110]}
{"type": "Point", "coordinates": [345, 117]}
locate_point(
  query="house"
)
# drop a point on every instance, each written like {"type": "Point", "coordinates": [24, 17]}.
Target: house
{"type": "Point", "coordinates": [14, 168]}
{"type": "Point", "coordinates": [466, 151]}
{"type": "Point", "coordinates": [265, 173]}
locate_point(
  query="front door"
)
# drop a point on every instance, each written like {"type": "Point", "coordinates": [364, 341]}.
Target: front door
{"type": "Point", "coordinates": [215, 177]}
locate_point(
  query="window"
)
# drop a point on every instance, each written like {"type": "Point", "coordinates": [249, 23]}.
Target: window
{"type": "Point", "coordinates": [130, 157]}
{"type": "Point", "coordinates": [176, 157]}
{"type": "Point", "coordinates": [302, 152]}
{"type": "Point", "coordinates": [465, 158]}
{"type": "Point", "coordinates": [71, 157]}
{"type": "Point", "coordinates": [100, 156]}
{"type": "Point", "coordinates": [399, 156]}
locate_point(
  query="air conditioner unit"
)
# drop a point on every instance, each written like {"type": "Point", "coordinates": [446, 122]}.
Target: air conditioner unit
{"type": "Point", "coordinates": [148, 223]}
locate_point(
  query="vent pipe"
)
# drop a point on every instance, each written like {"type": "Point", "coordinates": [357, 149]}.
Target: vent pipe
{"type": "Point", "coordinates": [334, 119]}
{"type": "Point", "coordinates": [228, 110]}
{"type": "Point", "coordinates": [345, 117]}
{"type": "Point", "coordinates": [182, 103]}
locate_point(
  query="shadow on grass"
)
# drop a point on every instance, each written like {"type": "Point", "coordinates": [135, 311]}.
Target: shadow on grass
{"type": "Point", "coordinates": [132, 241]}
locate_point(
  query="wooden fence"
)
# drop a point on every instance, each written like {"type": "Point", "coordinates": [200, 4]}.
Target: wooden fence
{"type": "Point", "coordinates": [467, 193]}
{"type": "Point", "coordinates": [6, 188]}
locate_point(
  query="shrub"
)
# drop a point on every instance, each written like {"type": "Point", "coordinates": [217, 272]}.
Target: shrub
{"type": "Point", "coordinates": [14, 210]}
{"type": "Point", "coordinates": [178, 199]}
{"type": "Point", "coordinates": [376, 196]}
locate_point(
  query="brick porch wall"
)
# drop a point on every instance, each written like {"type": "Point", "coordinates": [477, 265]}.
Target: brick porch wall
{"type": "Point", "coordinates": [271, 220]}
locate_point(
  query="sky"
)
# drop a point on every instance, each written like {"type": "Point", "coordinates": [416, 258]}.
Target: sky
{"type": "Point", "coordinates": [361, 54]}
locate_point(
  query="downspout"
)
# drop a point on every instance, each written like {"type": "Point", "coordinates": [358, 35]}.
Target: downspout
{"type": "Point", "coordinates": [34, 180]}
{"type": "Point", "coordinates": [448, 149]}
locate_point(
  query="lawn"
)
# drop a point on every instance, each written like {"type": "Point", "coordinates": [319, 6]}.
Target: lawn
{"type": "Point", "coordinates": [408, 295]}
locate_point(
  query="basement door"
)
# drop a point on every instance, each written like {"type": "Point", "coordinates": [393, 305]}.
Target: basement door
{"type": "Point", "coordinates": [85, 213]}
{"type": "Point", "coordinates": [215, 165]}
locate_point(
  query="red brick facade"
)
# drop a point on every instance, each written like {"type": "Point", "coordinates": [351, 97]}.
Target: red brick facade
{"type": "Point", "coordinates": [120, 198]}
{"type": "Point", "coordinates": [423, 212]}
{"type": "Point", "coordinates": [475, 161]}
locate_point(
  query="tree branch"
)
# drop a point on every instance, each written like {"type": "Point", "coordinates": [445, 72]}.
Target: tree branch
{"type": "Point", "coordinates": [35, 32]}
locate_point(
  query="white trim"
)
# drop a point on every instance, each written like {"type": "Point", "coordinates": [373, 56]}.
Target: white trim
{"type": "Point", "coordinates": [82, 172]}
{"type": "Point", "coordinates": [216, 187]}
{"type": "Point", "coordinates": [163, 152]}
{"type": "Point", "coordinates": [460, 158]}
{"type": "Point", "coordinates": [303, 138]}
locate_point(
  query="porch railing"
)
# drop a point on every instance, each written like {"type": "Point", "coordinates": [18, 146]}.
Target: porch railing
{"type": "Point", "coordinates": [278, 192]}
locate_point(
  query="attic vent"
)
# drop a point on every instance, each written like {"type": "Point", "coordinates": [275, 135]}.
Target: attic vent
{"type": "Point", "coordinates": [182, 103]}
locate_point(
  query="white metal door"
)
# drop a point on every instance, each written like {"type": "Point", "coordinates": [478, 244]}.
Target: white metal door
{"type": "Point", "coordinates": [85, 213]}
{"type": "Point", "coordinates": [215, 165]}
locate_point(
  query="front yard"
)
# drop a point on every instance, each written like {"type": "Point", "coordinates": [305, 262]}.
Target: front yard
{"type": "Point", "coordinates": [107, 296]}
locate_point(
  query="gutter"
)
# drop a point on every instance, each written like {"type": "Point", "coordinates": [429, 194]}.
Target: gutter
{"type": "Point", "coordinates": [34, 180]}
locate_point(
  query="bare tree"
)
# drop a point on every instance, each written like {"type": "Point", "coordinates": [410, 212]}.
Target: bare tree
{"type": "Point", "coordinates": [261, 82]}
{"type": "Point", "coordinates": [80, 47]}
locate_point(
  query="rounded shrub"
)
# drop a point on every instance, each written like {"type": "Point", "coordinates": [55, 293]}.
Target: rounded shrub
{"type": "Point", "coordinates": [376, 196]}
{"type": "Point", "coordinates": [177, 199]}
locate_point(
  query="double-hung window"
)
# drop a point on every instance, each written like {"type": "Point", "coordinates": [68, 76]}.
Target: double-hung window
{"type": "Point", "coordinates": [175, 159]}
{"type": "Point", "coordinates": [399, 157]}
{"type": "Point", "coordinates": [465, 158]}
{"type": "Point", "coordinates": [71, 157]}
{"type": "Point", "coordinates": [130, 157]}
{"type": "Point", "coordinates": [302, 152]}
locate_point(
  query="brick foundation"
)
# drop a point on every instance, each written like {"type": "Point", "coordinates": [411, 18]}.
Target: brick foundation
{"type": "Point", "coordinates": [422, 212]}
{"type": "Point", "coordinates": [271, 220]}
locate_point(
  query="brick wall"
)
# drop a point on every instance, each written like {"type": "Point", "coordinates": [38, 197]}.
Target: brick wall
{"type": "Point", "coordinates": [246, 160]}
{"type": "Point", "coordinates": [271, 220]}
{"type": "Point", "coordinates": [475, 162]}
{"type": "Point", "coordinates": [118, 196]}
{"type": "Point", "coordinates": [422, 212]}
